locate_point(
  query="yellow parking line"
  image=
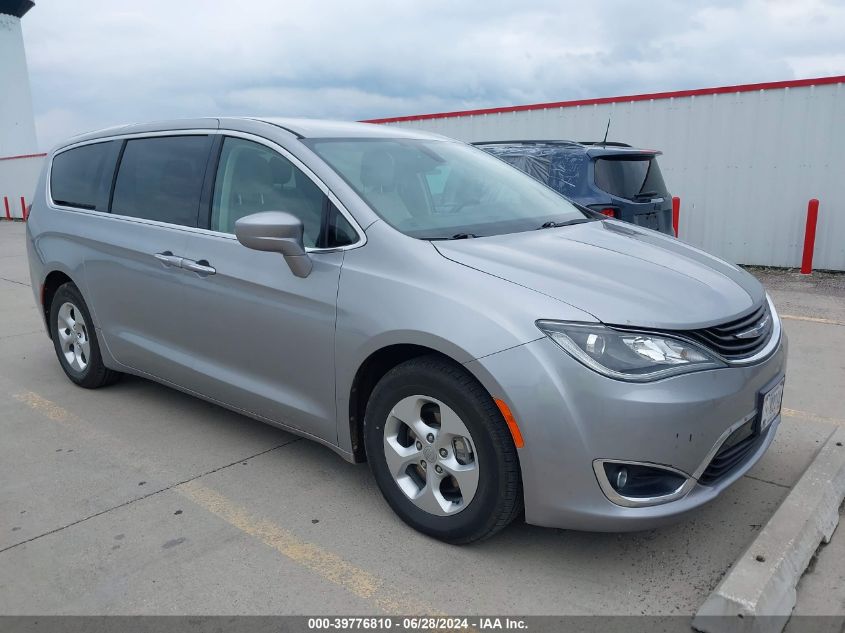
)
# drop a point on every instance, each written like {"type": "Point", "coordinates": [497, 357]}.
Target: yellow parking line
{"type": "Point", "coordinates": [74, 423]}
{"type": "Point", "coordinates": [795, 317]}
{"type": "Point", "coordinates": [46, 407]}
{"type": "Point", "coordinates": [325, 564]}
{"type": "Point", "coordinates": [795, 413]}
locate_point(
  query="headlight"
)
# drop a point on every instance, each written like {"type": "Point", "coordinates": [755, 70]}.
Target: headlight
{"type": "Point", "coordinates": [637, 356]}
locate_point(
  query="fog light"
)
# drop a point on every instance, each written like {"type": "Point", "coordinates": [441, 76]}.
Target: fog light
{"type": "Point", "coordinates": [621, 478]}
{"type": "Point", "coordinates": [638, 481]}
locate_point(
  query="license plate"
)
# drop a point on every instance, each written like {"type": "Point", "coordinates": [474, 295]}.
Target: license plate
{"type": "Point", "coordinates": [770, 408]}
{"type": "Point", "coordinates": [648, 220]}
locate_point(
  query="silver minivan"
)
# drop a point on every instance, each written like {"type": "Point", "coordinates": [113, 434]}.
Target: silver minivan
{"type": "Point", "coordinates": [413, 302]}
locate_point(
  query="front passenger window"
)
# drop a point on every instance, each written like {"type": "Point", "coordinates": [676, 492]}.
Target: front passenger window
{"type": "Point", "coordinates": [252, 178]}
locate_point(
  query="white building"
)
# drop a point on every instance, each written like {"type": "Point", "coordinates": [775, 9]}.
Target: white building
{"type": "Point", "coordinates": [20, 162]}
{"type": "Point", "coordinates": [744, 160]}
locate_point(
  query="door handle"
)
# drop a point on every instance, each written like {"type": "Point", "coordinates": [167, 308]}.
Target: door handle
{"type": "Point", "coordinates": [201, 267]}
{"type": "Point", "coordinates": [169, 259]}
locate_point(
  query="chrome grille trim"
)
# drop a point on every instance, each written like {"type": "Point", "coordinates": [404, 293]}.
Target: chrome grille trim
{"type": "Point", "coordinates": [731, 340]}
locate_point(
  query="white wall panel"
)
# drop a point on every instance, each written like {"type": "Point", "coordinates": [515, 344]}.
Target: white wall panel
{"type": "Point", "coordinates": [744, 164]}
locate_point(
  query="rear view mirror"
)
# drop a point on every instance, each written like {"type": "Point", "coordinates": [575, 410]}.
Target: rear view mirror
{"type": "Point", "coordinates": [277, 232]}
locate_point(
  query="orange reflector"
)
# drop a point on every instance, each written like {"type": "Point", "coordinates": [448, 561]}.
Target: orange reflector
{"type": "Point", "coordinates": [506, 413]}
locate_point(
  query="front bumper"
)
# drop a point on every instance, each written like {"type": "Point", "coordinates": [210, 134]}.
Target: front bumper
{"type": "Point", "coordinates": [570, 416]}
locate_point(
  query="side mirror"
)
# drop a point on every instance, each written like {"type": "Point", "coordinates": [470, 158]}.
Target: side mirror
{"type": "Point", "coordinates": [277, 232]}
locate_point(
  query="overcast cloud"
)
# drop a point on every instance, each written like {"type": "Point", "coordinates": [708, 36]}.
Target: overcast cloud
{"type": "Point", "coordinates": [95, 63]}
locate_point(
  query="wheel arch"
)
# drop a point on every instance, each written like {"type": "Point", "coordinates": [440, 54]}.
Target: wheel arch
{"type": "Point", "coordinates": [52, 282]}
{"type": "Point", "coordinates": [368, 374]}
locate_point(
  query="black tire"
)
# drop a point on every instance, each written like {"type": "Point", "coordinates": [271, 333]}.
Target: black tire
{"type": "Point", "coordinates": [498, 497]}
{"type": "Point", "coordinates": [95, 374]}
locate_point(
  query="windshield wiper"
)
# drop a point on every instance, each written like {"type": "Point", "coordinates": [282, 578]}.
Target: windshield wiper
{"type": "Point", "coordinates": [456, 236]}
{"type": "Point", "coordinates": [555, 225]}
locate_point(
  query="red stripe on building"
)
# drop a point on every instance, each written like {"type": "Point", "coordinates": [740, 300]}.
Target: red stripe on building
{"type": "Point", "coordinates": [772, 85]}
{"type": "Point", "coordinates": [22, 156]}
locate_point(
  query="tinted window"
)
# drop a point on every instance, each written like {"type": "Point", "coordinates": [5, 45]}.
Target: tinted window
{"type": "Point", "coordinates": [81, 177]}
{"type": "Point", "coordinates": [160, 178]}
{"type": "Point", "coordinates": [630, 177]}
{"type": "Point", "coordinates": [252, 178]}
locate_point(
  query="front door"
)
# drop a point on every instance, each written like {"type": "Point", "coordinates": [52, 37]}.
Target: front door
{"type": "Point", "coordinates": [262, 339]}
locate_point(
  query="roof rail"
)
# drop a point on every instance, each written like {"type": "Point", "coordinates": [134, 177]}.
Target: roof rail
{"type": "Point", "coordinates": [527, 142]}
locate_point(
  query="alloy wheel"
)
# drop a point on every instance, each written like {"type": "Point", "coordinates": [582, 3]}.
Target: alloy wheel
{"type": "Point", "coordinates": [73, 336]}
{"type": "Point", "coordinates": [430, 455]}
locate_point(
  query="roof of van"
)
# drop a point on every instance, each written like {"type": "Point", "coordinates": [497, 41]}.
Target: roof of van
{"type": "Point", "coordinates": [302, 128]}
{"type": "Point", "coordinates": [322, 128]}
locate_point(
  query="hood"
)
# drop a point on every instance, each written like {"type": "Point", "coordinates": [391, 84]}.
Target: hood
{"type": "Point", "coordinates": [620, 274]}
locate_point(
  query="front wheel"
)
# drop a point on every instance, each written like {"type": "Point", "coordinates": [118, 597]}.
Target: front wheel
{"type": "Point", "coordinates": [441, 452]}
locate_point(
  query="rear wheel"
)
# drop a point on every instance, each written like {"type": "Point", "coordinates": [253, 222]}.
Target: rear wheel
{"type": "Point", "coordinates": [440, 451]}
{"type": "Point", "coordinates": [75, 340]}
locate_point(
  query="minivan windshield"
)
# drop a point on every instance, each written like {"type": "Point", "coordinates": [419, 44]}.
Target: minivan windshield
{"type": "Point", "coordinates": [433, 189]}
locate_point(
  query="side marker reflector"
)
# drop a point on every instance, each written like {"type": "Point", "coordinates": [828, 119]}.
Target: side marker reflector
{"type": "Point", "coordinates": [511, 422]}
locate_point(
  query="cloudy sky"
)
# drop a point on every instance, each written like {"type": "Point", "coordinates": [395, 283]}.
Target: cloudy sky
{"type": "Point", "coordinates": [95, 63]}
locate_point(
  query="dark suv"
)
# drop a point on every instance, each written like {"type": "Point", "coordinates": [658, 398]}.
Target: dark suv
{"type": "Point", "coordinates": [612, 178]}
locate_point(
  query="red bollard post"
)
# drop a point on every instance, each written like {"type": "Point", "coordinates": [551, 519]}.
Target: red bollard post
{"type": "Point", "coordinates": [23, 209]}
{"type": "Point", "coordinates": [676, 213]}
{"type": "Point", "coordinates": [810, 237]}
{"type": "Point", "coordinates": [8, 211]}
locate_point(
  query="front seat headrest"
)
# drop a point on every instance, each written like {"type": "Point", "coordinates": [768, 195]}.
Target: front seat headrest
{"type": "Point", "coordinates": [378, 169]}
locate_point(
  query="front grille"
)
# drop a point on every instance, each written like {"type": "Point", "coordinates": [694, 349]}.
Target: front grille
{"type": "Point", "coordinates": [732, 452]}
{"type": "Point", "coordinates": [723, 338]}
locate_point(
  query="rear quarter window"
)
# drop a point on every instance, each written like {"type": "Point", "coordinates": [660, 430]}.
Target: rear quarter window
{"type": "Point", "coordinates": [562, 170]}
{"type": "Point", "coordinates": [161, 178]}
{"type": "Point", "coordinates": [568, 173]}
{"type": "Point", "coordinates": [81, 177]}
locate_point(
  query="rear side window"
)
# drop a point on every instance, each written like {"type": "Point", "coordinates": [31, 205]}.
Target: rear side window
{"type": "Point", "coordinates": [161, 179]}
{"type": "Point", "coordinates": [630, 177]}
{"type": "Point", "coordinates": [552, 164]}
{"type": "Point", "coordinates": [81, 177]}
{"type": "Point", "coordinates": [533, 163]}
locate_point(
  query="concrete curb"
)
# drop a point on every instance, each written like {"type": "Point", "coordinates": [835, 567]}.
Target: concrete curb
{"type": "Point", "coordinates": [762, 582]}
